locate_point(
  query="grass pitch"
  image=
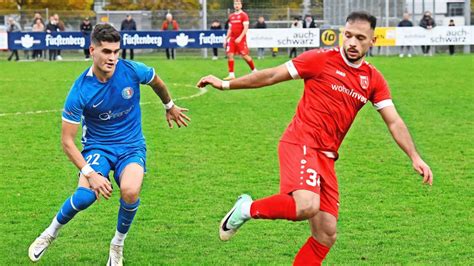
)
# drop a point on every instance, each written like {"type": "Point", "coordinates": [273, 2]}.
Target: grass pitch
{"type": "Point", "coordinates": [196, 173]}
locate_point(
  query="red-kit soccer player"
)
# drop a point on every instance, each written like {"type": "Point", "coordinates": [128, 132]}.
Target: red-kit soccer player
{"type": "Point", "coordinates": [337, 84]}
{"type": "Point", "coordinates": [236, 39]}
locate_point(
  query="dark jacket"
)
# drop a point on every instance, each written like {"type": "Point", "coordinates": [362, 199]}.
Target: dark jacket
{"type": "Point", "coordinates": [51, 28]}
{"type": "Point", "coordinates": [86, 28]}
{"type": "Point", "coordinates": [427, 21]}
{"type": "Point", "coordinates": [219, 27]}
{"type": "Point", "coordinates": [128, 25]}
{"type": "Point", "coordinates": [405, 23]}
{"type": "Point", "coordinates": [262, 25]}
{"type": "Point", "coordinates": [311, 25]}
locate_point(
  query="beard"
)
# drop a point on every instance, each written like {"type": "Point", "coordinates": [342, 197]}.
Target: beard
{"type": "Point", "coordinates": [352, 60]}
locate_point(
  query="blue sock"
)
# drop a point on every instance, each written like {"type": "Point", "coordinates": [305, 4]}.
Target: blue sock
{"type": "Point", "coordinates": [125, 215]}
{"type": "Point", "coordinates": [80, 200]}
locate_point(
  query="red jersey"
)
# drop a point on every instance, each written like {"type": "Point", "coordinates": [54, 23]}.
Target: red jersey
{"type": "Point", "coordinates": [236, 23]}
{"type": "Point", "coordinates": [334, 91]}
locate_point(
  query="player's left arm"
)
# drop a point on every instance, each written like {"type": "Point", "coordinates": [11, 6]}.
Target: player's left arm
{"type": "Point", "coordinates": [173, 112]}
{"type": "Point", "coordinates": [244, 31]}
{"type": "Point", "coordinates": [401, 135]}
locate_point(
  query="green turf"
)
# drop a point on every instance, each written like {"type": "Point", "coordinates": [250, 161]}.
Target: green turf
{"type": "Point", "coordinates": [195, 174]}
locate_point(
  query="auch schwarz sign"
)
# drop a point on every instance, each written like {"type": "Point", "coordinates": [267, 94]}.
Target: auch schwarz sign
{"type": "Point", "coordinates": [130, 40]}
{"type": "Point", "coordinates": [437, 36]}
{"type": "Point", "coordinates": [267, 38]}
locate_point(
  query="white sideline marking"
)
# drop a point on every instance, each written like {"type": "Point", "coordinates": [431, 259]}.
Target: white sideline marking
{"type": "Point", "coordinates": [201, 92]}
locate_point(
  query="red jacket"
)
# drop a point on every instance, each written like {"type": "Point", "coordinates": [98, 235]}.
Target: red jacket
{"type": "Point", "coordinates": [164, 26]}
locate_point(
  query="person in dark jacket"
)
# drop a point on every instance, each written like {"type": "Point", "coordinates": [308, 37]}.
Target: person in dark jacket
{"type": "Point", "coordinates": [308, 23]}
{"type": "Point", "coordinates": [86, 29]}
{"type": "Point", "coordinates": [13, 26]}
{"type": "Point", "coordinates": [405, 23]}
{"type": "Point", "coordinates": [216, 25]}
{"type": "Point", "coordinates": [50, 28]}
{"type": "Point", "coordinates": [451, 47]}
{"type": "Point", "coordinates": [128, 24]}
{"type": "Point", "coordinates": [428, 23]}
{"type": "Point", "coordinates": [260, 25]}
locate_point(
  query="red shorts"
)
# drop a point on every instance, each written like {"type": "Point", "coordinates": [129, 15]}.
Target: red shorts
{"type": "Point", "coordinates": [305, 168]}
{"type": "Point", "coordinates": [237, 48]}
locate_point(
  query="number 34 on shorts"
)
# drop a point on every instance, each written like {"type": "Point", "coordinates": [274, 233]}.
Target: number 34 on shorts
{"type": "Point", "coordinates": [309, 175]}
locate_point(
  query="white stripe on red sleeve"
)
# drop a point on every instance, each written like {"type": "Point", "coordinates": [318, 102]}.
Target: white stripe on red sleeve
{"type": "Point", "coordinates": [292, 70]}
{"type": "Point", "coordinates": [383, 104]}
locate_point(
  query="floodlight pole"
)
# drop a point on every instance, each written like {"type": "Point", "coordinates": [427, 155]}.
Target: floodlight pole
{"type": "Point", "coordinates": [204, 22]}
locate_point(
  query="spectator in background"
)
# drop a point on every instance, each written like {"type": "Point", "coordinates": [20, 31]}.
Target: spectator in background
{"type": "Point", "coordinates": [260, 25]}
{"type": "Point", "coordinates": [451, 47]}
{"type": "Point", "coordinates": [405, 23]}
{"type": "Point", "coordinates": [428, 23]}
{"type": "Point", "coordinates": [13, 26]}
{"type": "Point", "coordinates": [308, 23]}
{"type": "Point", "coordinates": [295, 25]}
{"type": "Point", "coordinates": [86, 29]}
{"type": "Point", "coordinates": [38, 26]}
{"type": "Point", "coordinates": [170, 24]}
{"type": "Point", "coordinates": [50, 28]}
{"type": "Point", "coordinates": [35, 17]}
{"type": "Point", "coordinates": [61, 27]}
{"type": "Point", "coordinates": [128, 24]}
{"type": "Point", "coordinates": [216, 25]}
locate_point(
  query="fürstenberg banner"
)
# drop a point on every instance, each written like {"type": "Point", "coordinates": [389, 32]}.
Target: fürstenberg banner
{"type": "Point", "coordinates": [130, 40]}
{"type": "Point", "coordinates": [267, 38]}
{"type": "Point", "coordinates": [437, 36]}
{"type": "Point", "coordinates": [460, 35]}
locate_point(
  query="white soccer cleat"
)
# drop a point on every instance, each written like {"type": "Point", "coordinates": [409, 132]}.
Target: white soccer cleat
{"type": "Point", "coordinates": [233, 220]}
{"type": "Point", "coordinates": [39, 246]}
{"type": "Point", "coordinates": [115, 255]}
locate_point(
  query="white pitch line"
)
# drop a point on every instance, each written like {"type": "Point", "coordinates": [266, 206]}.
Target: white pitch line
{"type": "Point", "coordinates": [201, 92]}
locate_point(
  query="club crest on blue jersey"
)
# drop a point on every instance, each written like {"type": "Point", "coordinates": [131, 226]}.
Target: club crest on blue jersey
{"type": "Point", "coordinates": [127, 93]}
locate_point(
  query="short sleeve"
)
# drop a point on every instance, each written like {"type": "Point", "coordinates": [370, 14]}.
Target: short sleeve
{"type": "Point", "coordinates": [307, 65]}
{"type": "Point", "coordinates": [380, 96]}
{"type": "Point", "coordinates": [245, 17]}
{"type": "Point", "coordinates": [73, 107]}
{"type": "Point", "coordinates": [144, 73]}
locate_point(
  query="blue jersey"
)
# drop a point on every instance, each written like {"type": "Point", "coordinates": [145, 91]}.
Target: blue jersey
{"type": "Point", "coordinates": [110, 111]}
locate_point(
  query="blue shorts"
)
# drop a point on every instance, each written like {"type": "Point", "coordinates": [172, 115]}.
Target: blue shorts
{"type": "Point", "coordinates": [105, 158]}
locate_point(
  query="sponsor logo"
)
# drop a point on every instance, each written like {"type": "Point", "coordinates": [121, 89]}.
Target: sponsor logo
{"type": "Point", "coordinates": [364, 82]}
{"type": "Point", "coordinates": [211, 39]}
{"type": "Point", "coordinates": [127, 93]}
{"type": "Point", "coordinates": [64, 40]}
{"type": "Point", "coordinates": [350, 92]}
{"type": "Point", "coordinates": [109, 115]}
{"type": "Point", "coordinates": [27, 41]}
{"type": "Point", "coordinates": [328, 37]}
{"type": "Point", "coordinates": [340, 73]}
{"type": "Point", "coordinates": [97, 104]}
{"type": "Point", "coordinates": [138, 40]}
{"type": "Point", "coordinates": [300, 38]}
{"type": "Point", "coordinates": [182, 40]}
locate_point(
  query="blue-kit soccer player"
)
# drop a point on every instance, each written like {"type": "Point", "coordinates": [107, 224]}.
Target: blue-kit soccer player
{"type": "Point", "coordinates": [106, 99]}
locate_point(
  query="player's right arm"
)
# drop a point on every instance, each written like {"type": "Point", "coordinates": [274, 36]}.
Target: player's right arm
{"type": "Point", "coordinates": [257, 79]}
{"type": "Point", "coordinates": [226, 37]}
{"type": "Point", "coordinates": [97, 182]}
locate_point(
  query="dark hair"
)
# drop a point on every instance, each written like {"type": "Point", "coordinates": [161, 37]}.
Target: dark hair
{"type": "Point", "coordinates": [362, 15]}
{"type": "Point", "coordinates": [104, 33]}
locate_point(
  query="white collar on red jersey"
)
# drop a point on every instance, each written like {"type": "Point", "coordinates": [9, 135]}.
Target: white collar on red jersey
{"type": "Point", "coordinates": [343, 55]}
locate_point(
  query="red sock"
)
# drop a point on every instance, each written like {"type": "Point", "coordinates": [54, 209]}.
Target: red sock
{"type": "Point", "coordinates": [230, 63]}
{"type": "Point", "coordinates": [311, 253]}
{"type": "Point", "coordinates": [251, 64]}
{"type": "Point", "coordinates": [279, 206]}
